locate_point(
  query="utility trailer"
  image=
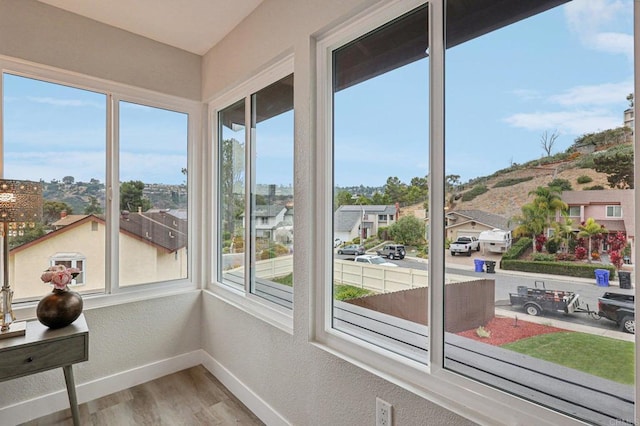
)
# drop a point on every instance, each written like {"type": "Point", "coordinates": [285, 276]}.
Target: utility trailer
{"type": "Point", "coordinates": [537, 300]}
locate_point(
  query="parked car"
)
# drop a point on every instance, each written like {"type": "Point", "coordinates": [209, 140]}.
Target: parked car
{"type": "Point", "coordinates": [374, 260]}
{"type": "Point", "coordinates": [351, 249]}
{"type": "Point", "coordinates": [619, 308]}
{"type": "Point", "coordinates": [392, 251]}
{"type": "Point", "coordinates": [464, 245]}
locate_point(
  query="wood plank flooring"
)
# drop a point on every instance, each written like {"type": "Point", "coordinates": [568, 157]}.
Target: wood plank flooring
{"type": "Point", "coordinates": [189, 397]}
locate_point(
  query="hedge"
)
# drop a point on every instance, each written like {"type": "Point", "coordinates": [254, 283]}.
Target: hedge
{"type": "Point", "coordinates": [572, 269]}
{"type": "Point", "coordinates": [517, 249]}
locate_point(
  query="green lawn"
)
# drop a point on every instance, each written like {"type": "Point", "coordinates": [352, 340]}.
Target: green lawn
{"type": "Point", "coordinates": [601, 356]}
{"type": "Point", "coordinates": [341, 292]}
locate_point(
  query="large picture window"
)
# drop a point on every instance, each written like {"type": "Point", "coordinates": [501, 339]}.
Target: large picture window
{"type": "Point", "coordinates": [472, 126]}
{"type": "Point", "coordinates": [58, 135]}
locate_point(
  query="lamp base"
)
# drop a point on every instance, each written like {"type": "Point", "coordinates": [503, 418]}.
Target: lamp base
{"type": "Point", "coordinates": [15, 329]}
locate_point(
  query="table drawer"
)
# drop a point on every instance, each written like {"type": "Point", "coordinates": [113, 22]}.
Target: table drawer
{"type": "Point", "coordinates": [42, 356]}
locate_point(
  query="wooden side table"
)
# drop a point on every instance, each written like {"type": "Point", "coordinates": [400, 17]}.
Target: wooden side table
{"type": "Point", "coordinates": [41, 349]}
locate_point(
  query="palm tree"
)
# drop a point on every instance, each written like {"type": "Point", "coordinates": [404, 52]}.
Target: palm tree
{"type": "Point", "coordinates": [549, 199]}
{"type": "Point", "coordinates": [531, 222]}
{"type": "Point", "coordinates": [590, 229]}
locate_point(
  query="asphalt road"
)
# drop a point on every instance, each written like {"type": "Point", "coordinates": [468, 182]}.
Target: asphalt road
{"type": "Point", "coordinates": [507, 282]}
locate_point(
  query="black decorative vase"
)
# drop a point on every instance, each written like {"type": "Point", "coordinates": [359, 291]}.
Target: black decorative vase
{"type": "Point", "coordinates": [59, 308]}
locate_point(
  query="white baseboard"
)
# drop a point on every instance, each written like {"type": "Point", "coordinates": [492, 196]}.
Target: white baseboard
{"type": "Point", "coordinates": [256, 404]}
{"type": "Point", "coordinates": [47, 404]}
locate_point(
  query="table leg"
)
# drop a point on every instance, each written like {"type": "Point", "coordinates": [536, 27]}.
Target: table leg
{"type": "Point", "coordinates": [71, 391]}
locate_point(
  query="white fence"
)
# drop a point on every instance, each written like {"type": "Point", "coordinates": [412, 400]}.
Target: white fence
{"type": "Point", "coordinates": [381, 279]}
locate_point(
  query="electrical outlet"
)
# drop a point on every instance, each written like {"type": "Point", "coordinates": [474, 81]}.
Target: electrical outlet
{"type": "Point", "coordinates": [383, 413]}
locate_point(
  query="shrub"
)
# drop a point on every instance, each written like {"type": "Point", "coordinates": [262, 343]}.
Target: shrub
{"type": "Point", "coordinates": [346, 292]}
{"type": "Point", "coordinates": [512, 181]}
{"type": "Point", "coordinates": [517, 249]}
{"type": "Point", "coordinates": [593, 188]}
{"type": "Point", "coordinates": [581, 253]}
{"type": "Point", "coordinates": [560, 257]}
{"type": "Point", "coordinates": [615, 258]}
{"type": "Point", "coordinates": [543, 257]}
{"type": "Point", "coordinates": [552, 246]}
{"type": "Point", "coordinates": [584, 179]}
{"type": "Point", "coordinates": [563, 184]}
{"type": "Point", "coordinates": [474, 192]}
{"type": "Point", "coordinates": [571, 269]}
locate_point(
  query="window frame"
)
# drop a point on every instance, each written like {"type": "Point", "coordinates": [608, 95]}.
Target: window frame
{"type": "Point", "coordinates": [470, 398]}
{"type": "Point", "coordinates": [112, 294]}
{"type": "Point", "coordinates": [60, 257]}
{"type": "Point", "coordinates": [242, 298]}
{"type": "Point", "coordinates": [613, 207]}
{"type": "Point", "coordinates": [574, 207]}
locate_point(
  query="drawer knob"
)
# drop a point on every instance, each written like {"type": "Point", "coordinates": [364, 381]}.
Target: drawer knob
{"type": "Point", "coordinates": [30, 359]}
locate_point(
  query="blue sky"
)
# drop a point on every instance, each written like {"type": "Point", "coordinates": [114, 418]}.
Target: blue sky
{"type": "Point", "coordinates": [567, 70]}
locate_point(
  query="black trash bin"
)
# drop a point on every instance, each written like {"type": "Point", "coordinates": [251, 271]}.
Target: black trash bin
{"type": "Point", "coordinates": [624, 278]}
{"type": "Point", "coordinates": [490, 266]}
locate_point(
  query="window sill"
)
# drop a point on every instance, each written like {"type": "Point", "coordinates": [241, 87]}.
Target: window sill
{"type": "Point", "coordinates": [271, 313]}
{"type": "Point", "coordinates": [27, 311]}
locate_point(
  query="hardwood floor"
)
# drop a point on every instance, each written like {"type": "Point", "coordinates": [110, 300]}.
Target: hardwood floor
{"type": "Point", "coordinates": [189, 397]}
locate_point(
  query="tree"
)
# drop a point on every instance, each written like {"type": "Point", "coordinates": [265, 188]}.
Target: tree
{"type": "Point", "coordinates": [395, 190]}
{"type": "Point", "coordinates": [93, 207]}
{"type": "Point", "coordinates": [26, 235]}
{"type": "Point", "coordinates": [131, 197]}
{"type": "Point", "coordinates": [343, 198]}
{"type": "Point", "coordinates": [231, 182]}
{"type": "Point", "coordinates": [618, 167]}
{"type": "Point", "coordinates": [408, 230]}
{"type": "Point", "coordinates": [68, 180]}
{"type": "Point", "coordinates": [548, 200]}
{"type": "Point", "coordinates": [590, 229]}
{"type": "Point", "coordinates": [51, 211]}
{"type": "Point", "coordinates": [531, 222]}
{"type": "Point", "coordinates": [548, 140]}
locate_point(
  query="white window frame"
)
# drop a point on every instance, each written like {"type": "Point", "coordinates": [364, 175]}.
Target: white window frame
{"type": "Point", "coordinates": [73, 258]}
{"type": "Point", "coordinates": [113, 295]}
{"type": "Point", "coordinates": [472, 399]}
{"type": "Point", "coordinates": [242, 298]}
{"type": "Point", "coordinates": [574, 207]}
{"type": "Point", "coordinates": [614, 207]}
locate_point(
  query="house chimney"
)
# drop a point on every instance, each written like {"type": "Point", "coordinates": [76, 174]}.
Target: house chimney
{"type": "Point", "coordinates": [63, 214]}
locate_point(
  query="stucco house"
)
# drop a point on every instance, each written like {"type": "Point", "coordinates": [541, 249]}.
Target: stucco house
{"type": "Point", "coordinates": [611, 208]}
{"type": "Point", "coordinates": [152, 244]}
{"type": "Point", "coordinates": [472, 222]}
{"type": "Point", "coordinates": [351, 221]}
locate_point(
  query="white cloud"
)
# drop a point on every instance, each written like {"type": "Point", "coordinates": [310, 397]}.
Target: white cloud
{"type": "Point", "coordinates": [567, 122]}
{"type": "Point", "coordinates": [601, 94]}
{"type": "Point", "coordinates": [527, 94]}
{"type": "Point", "coordinates": [64, 102]}
{"type": "Point", "coordinates": [595, 22]}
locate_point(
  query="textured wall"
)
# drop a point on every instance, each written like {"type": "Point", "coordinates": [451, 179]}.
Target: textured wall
{"type": "Point", "coordinates": [40, 33]}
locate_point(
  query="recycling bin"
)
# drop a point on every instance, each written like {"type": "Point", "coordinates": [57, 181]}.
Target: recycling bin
{"type": "Point", "coordinates": [602, 277]}
{"type": "Point", "coordinates": [479, 263]}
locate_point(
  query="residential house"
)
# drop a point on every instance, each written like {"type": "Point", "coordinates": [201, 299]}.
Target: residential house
{"type": "Point", "coordinates": [612, 208]}
{"type": "Point", "coordinates": [268, 219]}
{"type": "Point", "coordinates": [471, 223]}
{"type": "Point", "coordinates": [351, 221]}
{"type": "Point", "coordinates": [289, 367]}
{"type": "Point", "coordinates": [153, 246]}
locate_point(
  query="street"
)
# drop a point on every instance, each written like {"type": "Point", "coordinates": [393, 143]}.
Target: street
{"type": "Point", "coordinates": [508, 281]}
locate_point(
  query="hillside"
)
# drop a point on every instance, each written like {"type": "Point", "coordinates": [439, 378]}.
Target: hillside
{"type": "Point", "coordinates": [506, 201]}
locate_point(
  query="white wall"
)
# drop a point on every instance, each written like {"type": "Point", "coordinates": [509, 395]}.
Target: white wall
{"type": "Point", "coordinates": [40, 33]}
{"type": "Point", "coordinates": [306, 385]}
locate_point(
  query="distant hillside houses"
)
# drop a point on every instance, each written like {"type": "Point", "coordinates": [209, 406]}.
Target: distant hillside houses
{"type": "Point", "coordinates": [153, 247]}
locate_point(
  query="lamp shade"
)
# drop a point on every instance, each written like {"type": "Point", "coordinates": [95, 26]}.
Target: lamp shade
{"type": "Point", "coordinates": [20, 201]}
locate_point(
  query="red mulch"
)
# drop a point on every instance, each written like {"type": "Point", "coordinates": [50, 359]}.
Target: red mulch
{"type": "Point", "coordinates": [503, 330]}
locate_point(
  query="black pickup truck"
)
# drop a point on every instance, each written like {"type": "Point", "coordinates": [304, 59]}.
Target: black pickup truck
{"type": "Point", "coordinates": [619, 308]}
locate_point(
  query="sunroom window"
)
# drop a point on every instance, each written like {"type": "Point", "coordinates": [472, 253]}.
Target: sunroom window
{"type": "Point", "coordinates": [255, 193]}
{"type": "Point", "coordinates": [517, 79]}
